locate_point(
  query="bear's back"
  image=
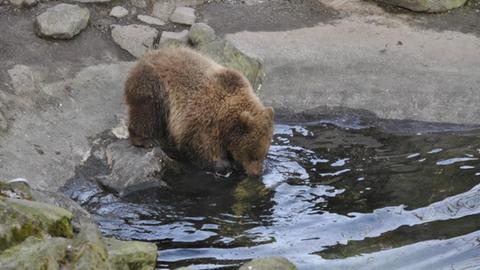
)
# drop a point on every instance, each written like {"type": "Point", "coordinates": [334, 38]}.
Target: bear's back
{"type": "Point", "coordinates": [180, 67]}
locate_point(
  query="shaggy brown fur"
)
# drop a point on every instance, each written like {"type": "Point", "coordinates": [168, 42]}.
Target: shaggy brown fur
{"type": "Point", "coordinates": [204, 110]}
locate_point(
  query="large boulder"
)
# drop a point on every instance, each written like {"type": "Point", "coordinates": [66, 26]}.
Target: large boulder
{"type": "Point", "coordinates": [62, 21]}
{"type": "Point", "coordinates": [37, 235]}
{"type": "Point", "coordinates": [426, 5]}
{"type": "Point", "coordinates": [203, 39]}
{"type": "Point", "coordinates": [133, 169]}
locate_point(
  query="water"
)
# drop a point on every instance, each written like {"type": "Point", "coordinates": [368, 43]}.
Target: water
{"type": "Point", "coordinates": [331, 198]}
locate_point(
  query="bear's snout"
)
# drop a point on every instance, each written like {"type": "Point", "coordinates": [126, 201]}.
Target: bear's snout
{"type": "Point", "coordinates": [254, 169]}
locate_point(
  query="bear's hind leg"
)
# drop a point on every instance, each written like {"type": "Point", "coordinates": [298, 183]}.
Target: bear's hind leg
{"type": "Point", "coordinates": [147, 110]}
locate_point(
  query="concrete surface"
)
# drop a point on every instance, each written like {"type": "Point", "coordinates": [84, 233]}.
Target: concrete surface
{"type": "Point", "coordinates": [370, 61]}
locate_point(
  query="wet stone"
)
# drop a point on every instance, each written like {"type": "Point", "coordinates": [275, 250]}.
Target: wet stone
{"type": "Point", "coordinates": [122, 255]}
{"type": "Point", "coordinates": [277, 263]}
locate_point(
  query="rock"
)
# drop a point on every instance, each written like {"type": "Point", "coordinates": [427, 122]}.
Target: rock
{"type": "Point", "coordinates": [24, 3]}
{"type": "Point", "coordinates": [163, 9]}
{"type": "Point", "coordinates": [136, 39]}
{"type": "Point", "coordinates": [62, 21]}
{"type": "Point", "coordinates": [426, 5]}
{"type": "Point", "coordinates": [80, 215]}
{"type": "Point", "coordinates": [139, 3]}
{"type": "Point", "coordinates": [20, 219]}
{"type": "Point", "coordinates": [21, 188]}
{"type": "Point", "coordinates": [89, 250]}
{"type": "Point", "coordinates": [92, 1]}
{"type": "Point", "coordinates": [201, 33]}
{"type": "Point", "coordinates": [118, 12]}
{"type": "Point", "coordinates": [269, 263]}
{"type": "Point", "coordinates": [183, 15]}
{"type": "Point", "coordinates": [223, 52]}
{"type": "Point", "coordinates": [35, 253]}
{"type": "Point", "coordinates": [134, 168]}
{"type": "Point", "coordinates": [121, 131]}
{"type": "Point", "coordinates": [150, 20]}
{"type": "Point", "coordinates": [131, 255]}
{"type": "Point", "coordinates": [181, 37]}
{"type": "Point", "coordinates": [23, 80]}
{"type": "Point", "coordinates": [3, 122]}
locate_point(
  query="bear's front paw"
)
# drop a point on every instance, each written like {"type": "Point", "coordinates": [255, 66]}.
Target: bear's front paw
{"type": "Point", "coordinates": [142, 142]}
{"type": "Point", "coordinates": [222, 167]}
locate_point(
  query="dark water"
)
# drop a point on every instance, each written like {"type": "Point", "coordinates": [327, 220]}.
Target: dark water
{"type": "Point", "coordinates": [331, 198]}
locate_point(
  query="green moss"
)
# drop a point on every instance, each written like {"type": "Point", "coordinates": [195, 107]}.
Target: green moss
{"type": "Point", "coordinates": [18, 235]}
{"type": "Point", "coordinates": [61, 228]}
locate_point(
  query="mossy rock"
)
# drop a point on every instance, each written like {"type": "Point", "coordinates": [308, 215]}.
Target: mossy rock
{"type": "Point", "coordinates": [35, 253]}
{"type": "Point", "coordinates": [89, 250]}
{"type": "Point", "coordinates": [15, 189]}
{"type": "Point", "coordinates": [223, 52]}
{"type": "Point", "coordinates": [131, 255]}
{"type": "Point", "coordinates": [269, 263]}
{"type": "Point", "coordinates": [20, 219]}
{"type": "Point", "coordinates": [426, 5]}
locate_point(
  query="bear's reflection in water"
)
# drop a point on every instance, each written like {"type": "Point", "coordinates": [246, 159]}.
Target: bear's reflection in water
{"type": "Point", "coordinates": [330, 197]}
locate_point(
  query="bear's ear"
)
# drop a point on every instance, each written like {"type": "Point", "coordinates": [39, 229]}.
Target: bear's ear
{"type": "Point", "coordinates": [269, 112]}
{"type": "Point", "coordinates": [246, 120]}
{"type": "Point", "coordinates": [231, 80]}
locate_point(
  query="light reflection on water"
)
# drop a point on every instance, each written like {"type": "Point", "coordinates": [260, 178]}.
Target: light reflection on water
{"type": "Point", "coordinates": [330, 197]}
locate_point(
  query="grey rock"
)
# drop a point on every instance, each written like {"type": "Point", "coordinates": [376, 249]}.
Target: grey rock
{"type": "Point", "coordinates": [201, 33]}
{"type": "Point", "coordinates": [426, 5]}
{"type": "Point", "coordinates": [62, 21]}
{"type": "Point", "coordinates": [24, 3]}
{"type": "Point", "coordinates": [23, 80]}
{"type": "Point", "coordinates": [91, 102]}
{"type": "Point", "coordinates": [183, 15]}
{"type": "Point", "coordinates": [92, 1]}
{"type": "Point", "coordinates": [134, 168]}
{"type": "Point", "coordinates": [269, 263]}
{"type": "Point", "coordinates": [150, 20]}
{"type": "Point", "coordinates": [181, 37]}
{"type": "Point", "coordinates": [134, 38]}
{"type": "Point", "coordinates": [118, 12]}
{"type": "Point", "coordinates": [139, 3]}
{"type": "Point", "coordinates": [163, 9]}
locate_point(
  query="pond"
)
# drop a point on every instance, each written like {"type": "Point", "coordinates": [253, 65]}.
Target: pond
{"type": "Point", "coordinates": [331, 197]}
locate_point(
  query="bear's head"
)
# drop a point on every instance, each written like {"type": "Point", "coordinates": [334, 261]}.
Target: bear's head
{"type": "Point", "coordinates": [251, 145]}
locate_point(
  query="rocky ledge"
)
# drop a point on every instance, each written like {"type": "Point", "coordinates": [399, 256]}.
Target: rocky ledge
{"type": "Point", "coordinates": [35, 234]}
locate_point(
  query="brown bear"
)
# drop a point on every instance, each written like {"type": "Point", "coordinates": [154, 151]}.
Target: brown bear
{"type": "Point", "coordinates": [178, 97]}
